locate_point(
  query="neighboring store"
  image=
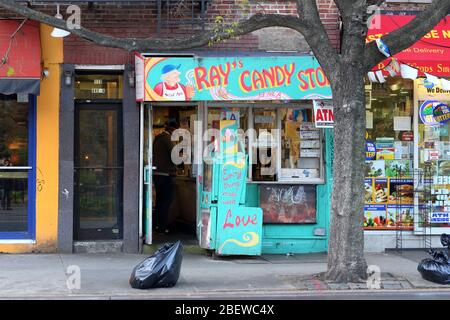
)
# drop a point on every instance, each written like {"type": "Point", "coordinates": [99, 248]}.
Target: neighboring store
{"type": "Point", "coordinates": [289, 172]}
{"type": "Point", "coordinates": [406, 144]}
{"type": "Point", "coordinates": [29, 102]}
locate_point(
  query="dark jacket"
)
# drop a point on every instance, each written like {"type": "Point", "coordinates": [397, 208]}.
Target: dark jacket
{"type": "Point", "coordinates": [162, 150]}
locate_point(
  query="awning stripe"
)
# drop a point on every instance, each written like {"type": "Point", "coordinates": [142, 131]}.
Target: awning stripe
{"type": "Point", "coordinates": [23, 86]}
{"type": "Point", "coordinates": [20, 57]}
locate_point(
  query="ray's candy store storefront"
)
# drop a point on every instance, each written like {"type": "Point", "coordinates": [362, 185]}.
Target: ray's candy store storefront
{"type": "Point", "coordinates": [255, 175]}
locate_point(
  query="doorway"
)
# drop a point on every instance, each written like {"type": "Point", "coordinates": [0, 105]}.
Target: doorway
{"type": "Point", "coordinates": [182, 215]}
{"type": "Point", "coordinates": [98, 172]}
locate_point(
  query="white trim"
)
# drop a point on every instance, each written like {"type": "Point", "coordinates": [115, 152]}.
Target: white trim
{"type": "Point", "coordinates": [150, 164]}
{"type": "Point", "coordinates": [99, 67]}
{"type": "Point", "coordinates": [439, 230]}
{"type": "Point", "coordinates": [18, 241]}
{"type": "Point", "coordinates": [169, 54]}
{"type": "Point", "coordinates": [15, 168]}
{"type": "Point", "coordinates": [299, 181]}
{"type": "Point", "coordinates": [141, 167]}
{"type": "Point", "coordinates": [389, 232]}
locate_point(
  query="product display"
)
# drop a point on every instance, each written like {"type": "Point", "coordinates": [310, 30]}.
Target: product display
{"type": "Point", "coordinates": [402, 191]}
{"type": "Point", "coordinates": [375, 168]}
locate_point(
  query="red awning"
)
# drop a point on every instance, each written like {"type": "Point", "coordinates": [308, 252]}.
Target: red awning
{"type": "Point", "coordinates": [20, 57]}
{"type": "Point", "coordinates": [431, 54]}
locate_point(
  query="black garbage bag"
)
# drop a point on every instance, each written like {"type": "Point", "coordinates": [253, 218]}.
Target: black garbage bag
{"type": "Point", "coordinates": [437, 269]}
{"type": "Point", "coordinates": [160, 270]}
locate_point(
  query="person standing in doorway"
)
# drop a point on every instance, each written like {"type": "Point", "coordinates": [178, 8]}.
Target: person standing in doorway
{"type": "Point", "coordinates": [164, 172]}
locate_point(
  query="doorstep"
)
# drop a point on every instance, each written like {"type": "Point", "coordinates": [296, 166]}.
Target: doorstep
{"type": "Point", "coordinates": [187, 248]}
{"type": "Point", "coordinates": [101, 246]}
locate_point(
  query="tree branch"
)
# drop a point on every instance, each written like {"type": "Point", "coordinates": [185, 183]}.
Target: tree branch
{"type": "Point", "coordinates": [256, 22]}
{"type": "Point", "coordinates": [316, 36]}
{"type": "Point", "coordinates": [409, 34]}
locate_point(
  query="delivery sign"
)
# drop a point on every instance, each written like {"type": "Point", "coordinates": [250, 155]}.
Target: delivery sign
{"type": "Point", "coordinates": [323, 114]}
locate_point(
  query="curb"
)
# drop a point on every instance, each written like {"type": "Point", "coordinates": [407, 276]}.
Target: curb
{"type": "Point", "coordinates": [240, 295]}
{"type": "Point", "coordinates": [191, 249]}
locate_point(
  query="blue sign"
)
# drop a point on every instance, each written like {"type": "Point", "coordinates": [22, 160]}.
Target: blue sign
{"type": "Point", "coordinates": [441, 113]}
{"type": "Point", "coordinates": [426, 112]}
{"type": "Point", "coordinates": [371, 150]}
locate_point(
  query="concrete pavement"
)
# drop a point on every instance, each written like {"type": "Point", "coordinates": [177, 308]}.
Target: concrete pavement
{"type": "Point", "coordinates": [105, 276]}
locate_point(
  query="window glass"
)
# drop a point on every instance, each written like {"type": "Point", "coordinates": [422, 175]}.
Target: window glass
{"type": "Point", "coordinates": [13, 153]}
{"type": "Point", "coordinates": [284, 203]}
{"type": "Point", "coordinates": [98, 86]}
{"type": "Point", "coordinates": [13, 132]}
{"type": "Point", "coordinates": [434, 152]}
{"type": "Point", "coordinates": [215, 115]}
{"type": "Point", "coordinates": [389, 197]}
{"type": "Point", "coordinates": [97, 143]}
{"type": "Point", "coordinates": [300, 144]}
{"type": "Point", "coordinates": [265, 146]}
{"type": "Point", "coordinates": [387, 109]}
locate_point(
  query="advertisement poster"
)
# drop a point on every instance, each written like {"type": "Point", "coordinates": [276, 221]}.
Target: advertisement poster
{"type": "Point", "coordinates": [374, 215]}
{"type": "Point", "coordinates": [323, 114]}
{"type": "Point", "coordinates": [426, 112]}
{"type": "Point", "coordinates": [398, 168]}
{"type": "Point", "coordinates": [234, 78]}
{"type": "Point", "coordinates": [288, 204]}
{"type": "Point", "coordinates": [368, 194]}
{"type": "Point", "coordinates": [375, 168]}
{"type": "Point", "coordinates": [401, 215]}
{"type": "Point", "coordinates": [440, 217]}
{"type": "Point", "coordinates": [371, 150]}
{"type": "Point", "coordinates": [441, 113]}
{"type": "Point", "coordinates": [381, 191]}
{"type": "Point", "coordinates": [385, 148]}
{"type": "Point", "coordinates": [401, 191]}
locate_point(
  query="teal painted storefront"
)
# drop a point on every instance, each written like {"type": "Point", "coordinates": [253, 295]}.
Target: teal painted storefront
{"type": "Point", "coordinates": [285, 238]}
{"type": "Point", "coordinates": [300, 238]}
{"type": "Point", "coordinates": [249, 83]}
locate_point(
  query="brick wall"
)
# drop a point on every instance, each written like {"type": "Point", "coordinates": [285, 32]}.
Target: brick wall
{"type": "Point", "coordinates": [140, 20]}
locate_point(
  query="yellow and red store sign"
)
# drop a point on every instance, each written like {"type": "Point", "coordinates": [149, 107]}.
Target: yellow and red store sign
{"type": "Point", "coordinates": [430, 54]}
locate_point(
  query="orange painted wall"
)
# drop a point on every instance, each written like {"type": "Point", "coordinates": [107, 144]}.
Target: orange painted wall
{"type": "Point", "coordinates": [47, 148]}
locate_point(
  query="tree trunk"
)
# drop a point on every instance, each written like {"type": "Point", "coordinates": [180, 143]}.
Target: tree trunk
{"type": "Point", "coordinates": [346, 262]}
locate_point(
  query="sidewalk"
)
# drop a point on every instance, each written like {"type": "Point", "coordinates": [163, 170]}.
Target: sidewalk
{"type": "Point", "coordinates": [106, 275]}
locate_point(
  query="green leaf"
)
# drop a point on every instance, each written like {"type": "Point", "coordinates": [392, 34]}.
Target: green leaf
{"type": "Point", "coordinates": [10, 72]}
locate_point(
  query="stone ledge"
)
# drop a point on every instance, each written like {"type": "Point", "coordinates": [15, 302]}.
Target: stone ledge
{"type": "Point", "coordinates": [98, 246]}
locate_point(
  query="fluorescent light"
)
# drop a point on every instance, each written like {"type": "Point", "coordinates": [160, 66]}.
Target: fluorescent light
{"type": "Point", "coordinates": [59, 33]}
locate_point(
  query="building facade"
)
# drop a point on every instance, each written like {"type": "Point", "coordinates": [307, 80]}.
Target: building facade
{"type": "Point", "coordinates": [102, 86]}
{"type": "Point", "coordinates": [29, 106]}
{"type": "Point", "coordinates": [406, 184]}
{"type": "Point", "coordinates": [89, 179]}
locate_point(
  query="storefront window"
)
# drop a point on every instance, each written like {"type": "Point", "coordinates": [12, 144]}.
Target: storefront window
{"type": "Point", "coordinates": [389, 156]}
{"type": "Point", "coordinates": [98, 86]}
{"type": "Point", "coordinates": [300, 144]}
{"type": "Point", "coordinates": [216, 114]}
{"type": "Point", "coordinates": [14, 170]}
{"type": "Point", "coordinates": [265, 146]}
{"type": "Point", "coordinates": [288, 203]}
{"type": "Point", "coordinates": [285, 144]}
{"type": "Point", "coordinates": [434, 152]}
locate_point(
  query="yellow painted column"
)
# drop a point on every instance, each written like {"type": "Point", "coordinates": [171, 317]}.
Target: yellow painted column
{"type": "Point", "coordinates": [47, 149]}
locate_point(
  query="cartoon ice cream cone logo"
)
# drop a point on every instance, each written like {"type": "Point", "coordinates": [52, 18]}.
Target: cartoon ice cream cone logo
{"type": "Point", "coordinates": [190, 90]}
